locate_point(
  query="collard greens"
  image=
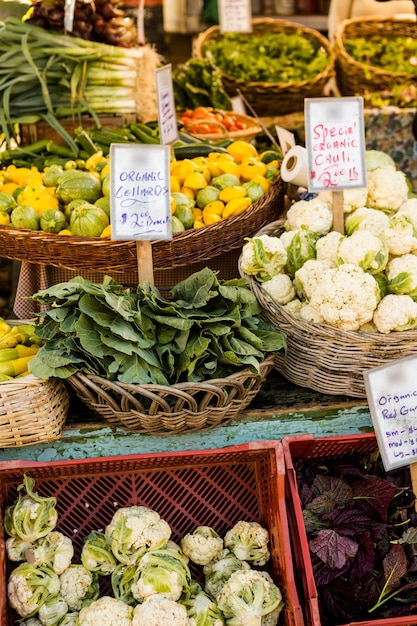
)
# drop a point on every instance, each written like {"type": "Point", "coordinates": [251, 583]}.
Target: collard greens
{"type": "Point", "coordinates": [206, 329]}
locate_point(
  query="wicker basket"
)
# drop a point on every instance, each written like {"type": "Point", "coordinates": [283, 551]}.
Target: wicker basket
{"type": "Point", "coordinates": [32, 411]}
{"type": "Point", "coordinates": [252, 129]}
{"type": "Point", "coordinates": [104, 255]}
{"type": "Point", "coordinates": [168, 410]}
{"type": "Point", "coordinates": [323, 358]}
{"type": "Point", "coordinates": [354, 77]}
{"type": "Point", "coordinates": [268, 98]}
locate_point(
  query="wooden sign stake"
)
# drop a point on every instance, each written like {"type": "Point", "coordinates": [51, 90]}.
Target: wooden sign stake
{"type": "Point", "coordinates": [338, 213]}
{"type": "Point", "coordinates": [413, 474]}
{"type": "Point", "coordinates": [144, 261]}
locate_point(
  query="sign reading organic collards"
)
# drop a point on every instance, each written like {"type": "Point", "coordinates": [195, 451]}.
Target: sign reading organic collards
{"type": "Point", "coordinates": [235, 16]}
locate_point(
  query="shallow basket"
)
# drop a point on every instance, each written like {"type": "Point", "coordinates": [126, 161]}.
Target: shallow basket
{"type": "Point", "coordinates": [164, 410]}
{"type": "Point", "coordinates": [105, 255]}
{"type": "Point", "coordinates": [216, 488]}
{"type": "Point", "coordinates": [324, 358]}
{"type": "Point", "coordinates": [354, 77]}
{"type": "Point", "coordinates": [269, 98]}
{"type": "Point", "coordinates": [32, 411]}
{"type": "Point", "coordinates": [247, 134]}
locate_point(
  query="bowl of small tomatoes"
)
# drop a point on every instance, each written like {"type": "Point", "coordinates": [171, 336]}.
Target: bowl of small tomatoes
{"type": "Point", "coordinates": [213, 124]}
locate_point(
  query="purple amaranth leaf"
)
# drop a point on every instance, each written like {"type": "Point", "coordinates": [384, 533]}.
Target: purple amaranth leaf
{"type": "Point", "coordinates": [364, 562]}
{"type": "Point", "coordinates": [323, 574]}
{"type": "Point", "coordinates": [336, 488]}
{"type": "Point", "coordinates": [373, 495]}
{"type": "Point", "coordinates": [332, 548]}
{"type": "Point", "coordinates": [395, 567]}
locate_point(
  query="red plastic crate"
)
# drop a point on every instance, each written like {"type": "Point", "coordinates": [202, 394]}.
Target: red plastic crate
{"type": "Point", "coordinates": [188, 489]}
{"type": "Point", "coordinates": [304, 447]}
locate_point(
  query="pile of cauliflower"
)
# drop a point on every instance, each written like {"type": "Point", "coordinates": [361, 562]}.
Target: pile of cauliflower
{"type": "Point", "coordinates": [148, 573]}
{"type": "Point", "coordinates": [363, 280]}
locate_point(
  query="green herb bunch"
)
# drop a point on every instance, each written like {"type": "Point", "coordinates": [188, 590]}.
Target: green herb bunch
{"type": "Point", "coordinates": [207, 328]}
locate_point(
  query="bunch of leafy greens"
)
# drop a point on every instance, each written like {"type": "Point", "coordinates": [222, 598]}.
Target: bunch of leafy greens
{"type": "Point", "coordinates": [361, 526]}
{"type": "Point", "coordinates": [199, 83]}
{"type": "Point", "coordinates": [393, 54]}
{"type": "Point", "coordinates": [206, 329]}
{"type": "Point", "coordinates": [268, 57]}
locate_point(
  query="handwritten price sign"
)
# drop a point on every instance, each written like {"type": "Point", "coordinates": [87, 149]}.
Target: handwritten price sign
{"type": "Point", "coordinates": [335, 142]}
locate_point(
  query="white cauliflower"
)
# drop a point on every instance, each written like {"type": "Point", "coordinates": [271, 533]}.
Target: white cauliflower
{"type": "Point", "coordinates": [77, 585]}
{"type": "Point", "coordinates": [305, 280]}
{"type": "Point", "coordinates": [263, 257]}
{"type": "Point", "coordinates": [326, 247]}
{"type": "Point", "coordinates": [107, 611]}
{"type": "Point", "coordinates": [280, 288]}
{"type": "Point", "coordinates": [161, 571]}
{"type": "Point", "coordinates": [352, 198]}
{"type": "Point", "coordinates": [315, 215]}
{"type": "Point", "coordinates": [15, 548]}
{"type": "Point", "coordinates": [28, 587]}
{"type": "Point", "coordinates": [31, 621]}
{"type": "Point", "coordinates": [364, 218]}
{"type": "Point", "coordinates": [157, 610]}
{"type": "Point", "coordinates": [346, 297]}
{"type": "Point", "coordinates": [400, 236]}
{"type": "Point", "coordinates": [293, 307]}
{"type": "Point", "coordinates": [307, 313]}
{"type": "Point", "coordinates": [395, 313]}
{"type": "Point", "coordinates": [202, 545]}
{"type": "Point", "coordinates": [409, 207]}
{"type": "Point", "coordinates": [401, 273]}
{"type": "Point", "coordinates": [364, 249]}
{"type": "Point", "coordinates": [387, 189]}
{"type": "Point", "coordinates": [135, 529]}
{"type": "Point", "coordinates": [55, 550]}
{"type": "Point", "coordinates": [249, 542]}
{"type": "Point", "coordinates": [287, 236]}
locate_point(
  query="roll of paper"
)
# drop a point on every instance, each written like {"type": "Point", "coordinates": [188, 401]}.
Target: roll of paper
{"type": "Point", "coordinates": [294, 168]}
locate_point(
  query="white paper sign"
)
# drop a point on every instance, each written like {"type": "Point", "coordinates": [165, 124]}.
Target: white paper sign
{"type": "Point", "coordinates": [286, 139]}
{"type": "Point", "coordinates": [335, 141]}
{"type": "Point", "coordinates": [167, 118]}
{"type": "Point", "coordinates": [235, 16]}
{"type": "Point", "coordinates": [140, 199]}
{"type": "Point", "coordinates": [392, 396]}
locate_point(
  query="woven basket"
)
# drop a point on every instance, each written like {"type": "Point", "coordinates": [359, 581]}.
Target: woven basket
{"type": "Point", "coordinates": [252, 129]}
{"type": "Point", "coordinates": [32, 411]}
{"type": "Point", "coordinates": [268, 98]}
{"type": "Point", "coordinates": [168, 410]}
{"type": "Point", "coordinates": [354, 77]}
{"type": "Point", "coordinates": [104, 255]}
{"type": "Point", "coordinates": [323, 358]}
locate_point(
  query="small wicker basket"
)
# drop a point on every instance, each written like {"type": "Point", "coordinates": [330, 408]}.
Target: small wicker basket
{"type": "Point", "coordinates": [104, 255]}
{"type": "Point", "coordinates": [168, 410]}
{"type": "Point", "coordinates": [354, 77]}
{"type": "Point", "coordinates": [324, 358]}
{"type": "Point", "coordinates": [269, 98]}
{"type": "Point", "coordinates": [247, 134]}
{"type": "Point", "coordinates": [32, 411]}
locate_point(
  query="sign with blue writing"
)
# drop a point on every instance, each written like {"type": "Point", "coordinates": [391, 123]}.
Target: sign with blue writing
{"type": "Point", "coordinates": [335, 142]}
{"type": "Point", "coordinates": [140, 199]}
{"type": "Point", "coordinates": [392, 396]}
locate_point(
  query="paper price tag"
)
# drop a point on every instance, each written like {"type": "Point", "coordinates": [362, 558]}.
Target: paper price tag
{"type": "Point", "coordinates": [235, 16]}
{"type": "Point", "coordinates": [140, 203]}
{"type": "Point", "coordinates": [335, 142]}
{"type": "Point", "coordinates": [392, 396]}
{"type": "Point", "coordinates": [167, 119]}
{"type": "Point", "coordinates": [286, 139]}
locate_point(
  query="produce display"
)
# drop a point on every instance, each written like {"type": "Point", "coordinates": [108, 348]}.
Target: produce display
{"type": "Point", "coordinates": [71, 196]}
{"type": "Point", "coordinates": [268, 57]}
{"type": "Point", "coordinates": [18, 345]}
{"type": "Point", "coordinates": [206, 329]}
{"type": "Point", "coordinates": [209, 121]}
{"type": "Point", "coordinates": [361, 526]}
{"type": "Point", "coordinates": [394, 53]}
{"type": "Point", "coordinates": [199, 83]}
{"type": "Point", "coordinates": [133, 572]}
{"type": "Point", "coordinates": [364, 280]}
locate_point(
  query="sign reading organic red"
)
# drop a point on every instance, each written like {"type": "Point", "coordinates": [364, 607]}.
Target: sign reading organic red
{"type": "Point", "coordinates": [335, 142]}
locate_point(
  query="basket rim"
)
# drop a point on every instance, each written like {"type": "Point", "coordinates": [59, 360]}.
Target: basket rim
{"type": "Point", "coordinates": [287, 24]}
{"type": "Point", "coordinates": [343, 56]}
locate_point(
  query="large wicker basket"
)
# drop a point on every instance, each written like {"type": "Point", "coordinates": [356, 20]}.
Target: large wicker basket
{"type": "Point", "coordinates": [354, 77]}
{"type": "Point", "coordinates": [32, 411]}
{"type": "Point", "coordinates": [104, 255]}
{"type": "Point", "coordinates": [323, 358]}
{"type": "Point", "coordinates": [168, 410]}
{"type": "Point", "coordinates": [268, 98]}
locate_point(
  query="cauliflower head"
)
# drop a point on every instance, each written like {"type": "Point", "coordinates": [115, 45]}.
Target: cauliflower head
{"type": "Point", "coordinates": [29, 587]}
{"type": "Point", "coordinates": [326, 247]}
{"type": "Point", "coordinates": [249, 542]}
{"type": "Point", "coordinates": [134, 530]}
{"type": "Point", "coordinates": [315, 215]}
{"type": "Point", "coordinates": [263, 257]}
{"type": "Point", "coordinates": [305, 280]}
{"type": "Point", "coordinates": [55, 550]}
{"type": "Point", "coordinates": [279, 288]}
{"type": "Point", "coordinates": [400, 236]}
{"type": "Point", "coordinates": [78, 585]}
{"type": "Point", "coordinates": [387, 189]}
{"type": "Point", "coordinates": [202, 545]}
{"type": "Point", "coordinates": [395, 313]}
{"type": "Point", "coordinates": [409, 207]}
{"type": "Point", "coordinates": [364, 218]}
{"type": "Point", "coordinates": [161, 572]}
{"type": "Point", "coordinates": [346, 296]}
{"type": "Point", "coordinates": [219, 570]}
{"type": "Point", "coordinates": [364, 249]}
{"type": "Point", "coordinates": [401, 273]}
{"type": "Point", "coordinates": [106, 611]}
{"type": "Point", "coordinates": [352, 198]}
{"type": "Point", "coordinates": [157, 610]}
